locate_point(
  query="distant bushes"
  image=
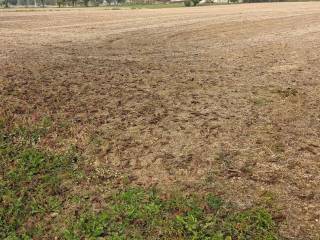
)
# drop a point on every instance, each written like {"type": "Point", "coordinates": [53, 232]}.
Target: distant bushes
{"type": "Point", "coordinates": [195, 2]}
{"type": "Point", "coordinates": [187, 3]}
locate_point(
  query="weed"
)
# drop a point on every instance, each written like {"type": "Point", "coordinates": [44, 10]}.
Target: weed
{"type": "Point", "coordinates": [260, 102]}
{"type": "Point", "coordinates": [214, 202]}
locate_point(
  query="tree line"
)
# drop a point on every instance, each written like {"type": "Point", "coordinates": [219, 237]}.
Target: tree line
{"type": "Point", "coordinates": [61, 3]}
{"type": "Point", "coordinates": [86, 3]}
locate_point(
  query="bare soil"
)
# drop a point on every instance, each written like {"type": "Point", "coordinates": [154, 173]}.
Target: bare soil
{"type": "Point", "coordinates": [221, 98]}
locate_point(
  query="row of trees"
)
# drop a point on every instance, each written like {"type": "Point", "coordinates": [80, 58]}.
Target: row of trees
{"type": "Point", "coordinates": [189, 3]}
{"type": "Point", "coordinates": [62, 3]}
{"type": "Point", "coordinates": [4, 3]}
{"type": "Point", "coordinates": [7, 3]}
{"type": "Point", "coordinates": [86, 3]}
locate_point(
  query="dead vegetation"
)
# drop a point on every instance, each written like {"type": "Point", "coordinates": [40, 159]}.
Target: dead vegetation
{"type": "Point", "coordinates": [213, 99]}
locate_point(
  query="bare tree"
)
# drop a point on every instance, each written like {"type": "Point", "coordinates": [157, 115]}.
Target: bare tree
{"type": "Point", "coordinates": [60, 3]}
{"type": "Point", "coordinates": [74, 3]}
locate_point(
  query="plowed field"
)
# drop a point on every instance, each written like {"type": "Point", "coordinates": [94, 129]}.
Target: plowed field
{"type": "Point", "coordinates": [221, 98]}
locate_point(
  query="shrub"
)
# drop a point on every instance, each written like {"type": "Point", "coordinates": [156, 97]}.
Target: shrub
{"type": "Point", "coordinates": [187, 3]}
{"type": "Point", "coordinates": [195, 2]}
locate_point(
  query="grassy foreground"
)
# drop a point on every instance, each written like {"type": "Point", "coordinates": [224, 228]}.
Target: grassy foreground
{"type": "Point", "coordinates": [38, 200]}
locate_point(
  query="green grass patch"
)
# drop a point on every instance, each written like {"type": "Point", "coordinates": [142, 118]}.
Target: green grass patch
{"type": "Point", "coordinates": [140, 214]}
{"type": "Point", "coordinates": [32, 183]}
{"type": "Point", "coordinates": [36, 198]}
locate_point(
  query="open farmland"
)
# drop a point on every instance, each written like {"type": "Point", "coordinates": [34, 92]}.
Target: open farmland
{"type": "Point", "coordinates": [219, 99]}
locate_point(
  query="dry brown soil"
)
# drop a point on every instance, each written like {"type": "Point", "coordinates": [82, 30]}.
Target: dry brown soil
{"type": "Point", "coordinates": [220, 98]}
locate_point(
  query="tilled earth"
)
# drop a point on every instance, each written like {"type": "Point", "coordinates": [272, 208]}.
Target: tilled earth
{"type": "Point", "coordinates": [223, 98]}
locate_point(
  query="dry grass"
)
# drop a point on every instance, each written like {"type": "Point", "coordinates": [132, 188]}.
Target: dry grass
{"type": "Point", "coordinates": [211, 99]}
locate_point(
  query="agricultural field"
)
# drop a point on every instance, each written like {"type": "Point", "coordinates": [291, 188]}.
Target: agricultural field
{"type": "Point", "coordinates": [174, 123]}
